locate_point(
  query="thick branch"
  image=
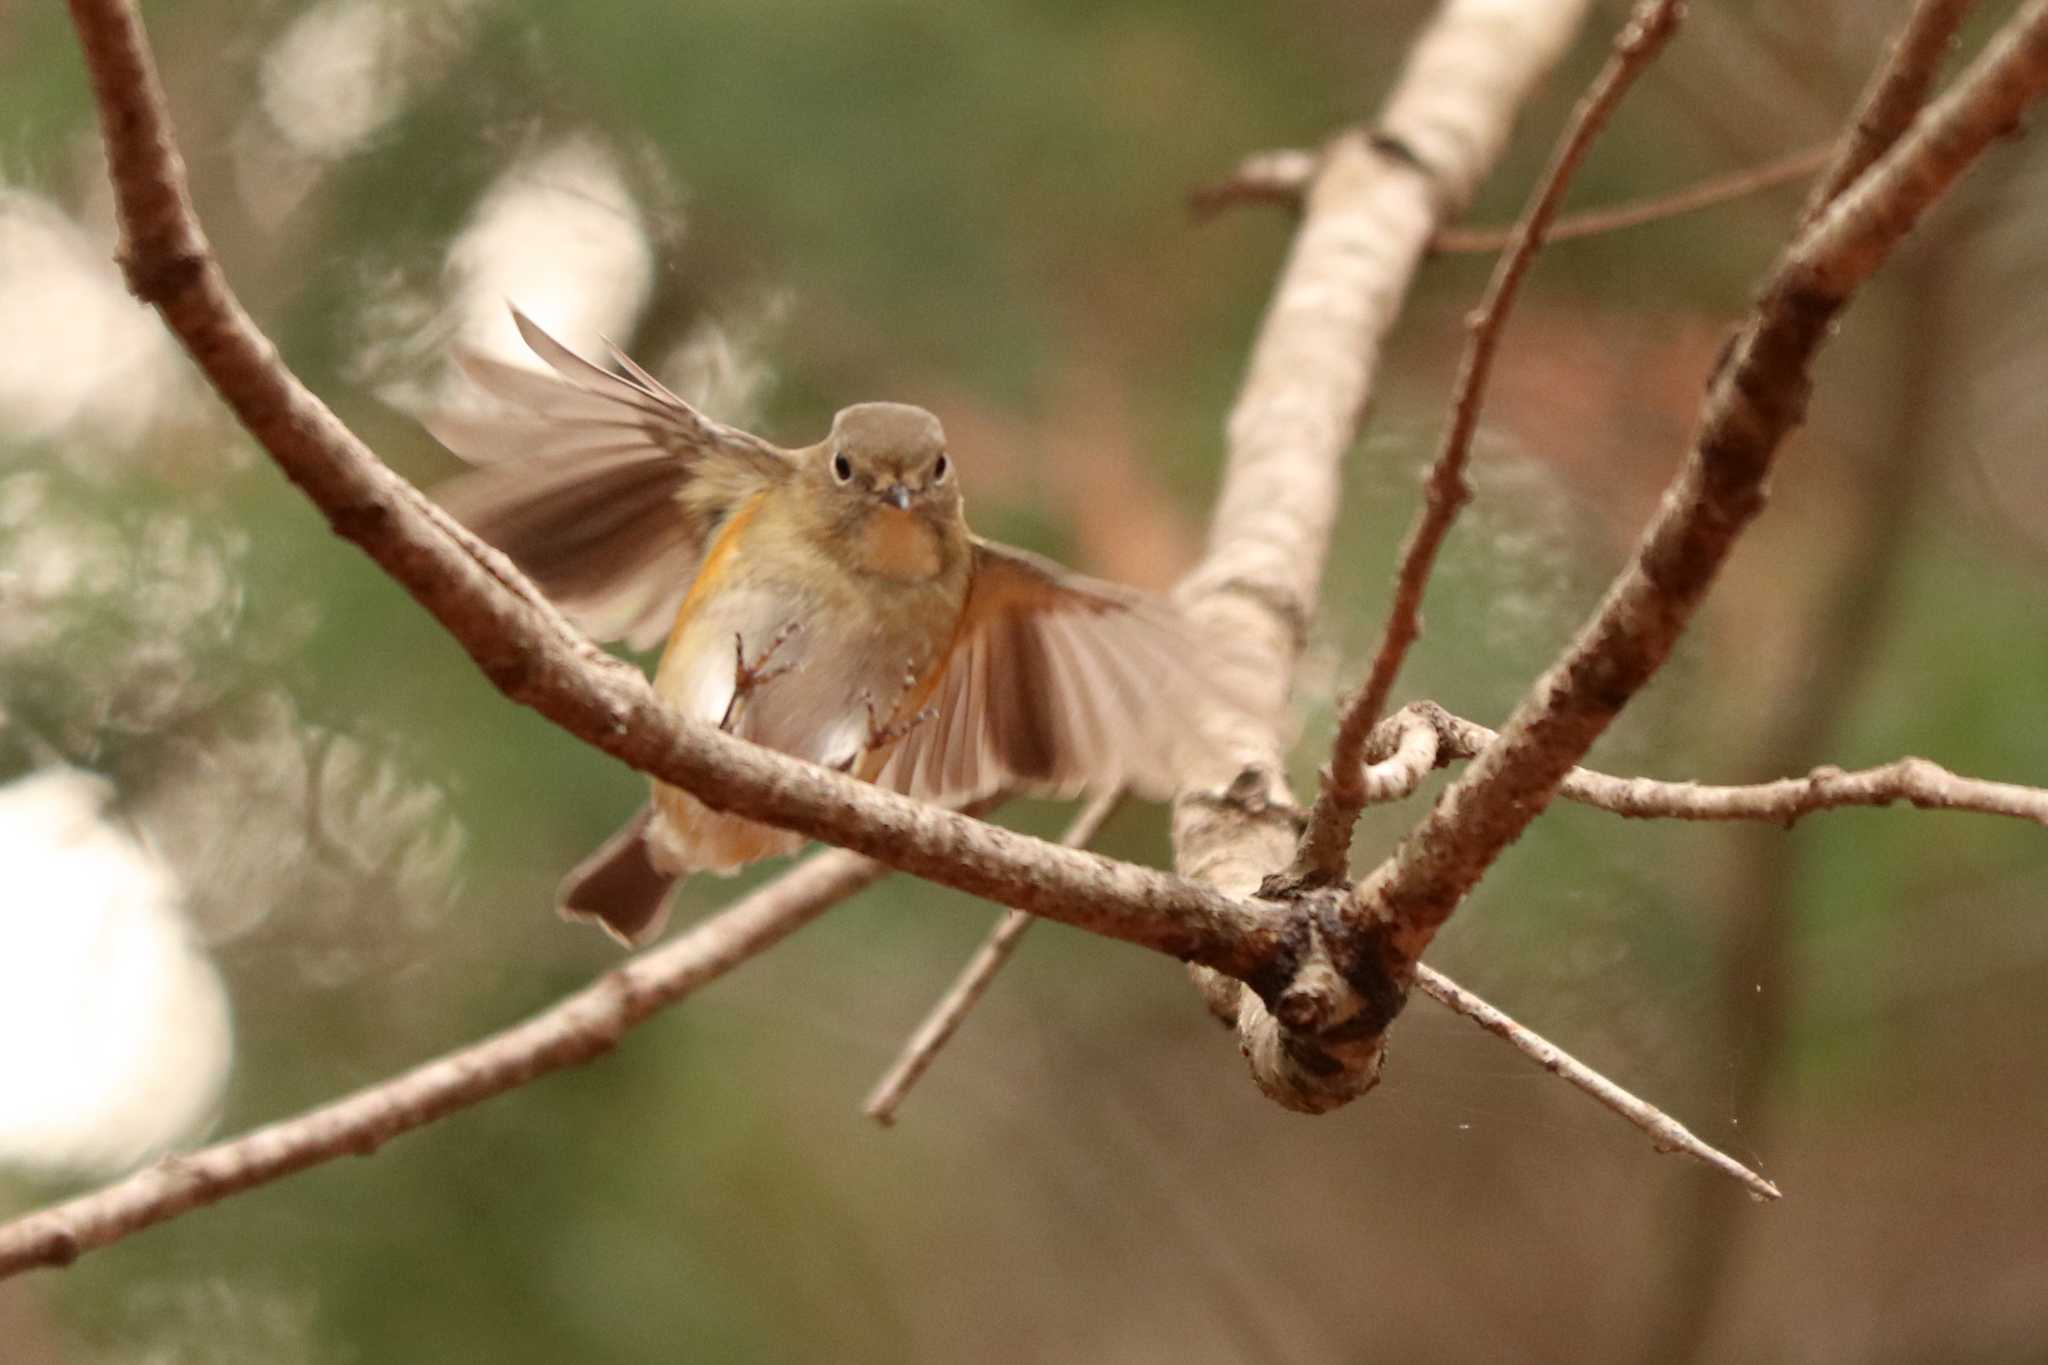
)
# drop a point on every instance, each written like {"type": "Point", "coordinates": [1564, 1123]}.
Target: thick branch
{"type": "Point", "coordinates": [1369, 215]}
{"type": "Point", "coordinates": [1756, 398]}
{"type": "Point", "coordinates": [1322, 856]}
{"type": "Point", "coordinates": [525, 647]}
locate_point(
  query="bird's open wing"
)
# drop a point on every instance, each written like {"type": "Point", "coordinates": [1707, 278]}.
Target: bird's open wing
{"type": "Point", "coordinates": [603, 487]}
{"type": "Point", "coordinates": [1056, 683]}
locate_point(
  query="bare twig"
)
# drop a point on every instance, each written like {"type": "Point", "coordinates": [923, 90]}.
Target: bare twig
{"type": "Point", "coordinates": [1756, 398]}
{"type": "Point", "coordinates": [1708, 193]}
{"type": "Point", "coordinates": [945, 1018]}
{"type": "Point", "coordinates": [1894, 98]}
{"type": "Point", "coordinates": [1369, 214]}
{"type": "Point", "coordinates": [1667, 1133]}
{"type": "Point", "coordinates": [1325, 846]}
{"type": "Point", "coordinates": [1784, 801]}
{"type": "Point", "coordinates": [578, 1029]}
{"type": "Point", "coordinates": [1280, 176]}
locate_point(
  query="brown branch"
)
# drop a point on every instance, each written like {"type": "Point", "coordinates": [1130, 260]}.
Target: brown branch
{"type": "Point", "coordinates": [945, 1018]}
{"type": "Point", "coordinates": [526, 649]}
{"type": "Point", "coordinates": [1368, 217]}
{"type": "Point", "coordinates": [1323, 853]}
{"type": "Point", "coordinates": [1754, 1001]}
{"type": "Point", "coordinates": [578, 1029]}
{"type": "Point", "coordinates": [1706, 194]}
{"type": "Point", "coordinates": [1667, 1133]}
{"type": "Point", "coordinates": [1282, 176]}
{"type": "Point", "coordinates": [1755, 399]}
{"type": "Point", "coordinates": [1895, 97]}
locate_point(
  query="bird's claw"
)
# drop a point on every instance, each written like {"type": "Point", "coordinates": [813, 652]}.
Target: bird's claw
{"type": "Point", "coordinates": [750, 676]}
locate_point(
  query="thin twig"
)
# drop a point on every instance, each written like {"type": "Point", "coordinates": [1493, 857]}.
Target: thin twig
{"type": "Point", "coordinates": [1325, 845]}
{"type": "Point", "coordinates": [1282, 176]}
{"type": "Point", "coordinates": [1706, 194]}
{"type": "Point", "coordinates": [1917, 781]}
{"type": "Point", "coordinates": [1894, 98]}
{"type": "Point", "coordinates": [578, 1029]}
{"type": "Point", "coordinates": [946, 1016]}
{"type": "Point", "coordinates": [1667, 1133]}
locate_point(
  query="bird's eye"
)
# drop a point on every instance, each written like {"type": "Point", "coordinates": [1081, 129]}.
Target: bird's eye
{"type": "Point", "coordinates": [940, 469]}
{"type": "Point", "coordinates": [842, 468]}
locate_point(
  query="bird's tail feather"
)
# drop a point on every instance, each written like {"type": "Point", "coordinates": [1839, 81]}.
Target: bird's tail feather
{"type": "Point", "coordinates": [618, 888]}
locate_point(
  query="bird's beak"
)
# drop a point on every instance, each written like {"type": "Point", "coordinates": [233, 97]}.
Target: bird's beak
{"type": "Point", "coordinates": [897, 496]}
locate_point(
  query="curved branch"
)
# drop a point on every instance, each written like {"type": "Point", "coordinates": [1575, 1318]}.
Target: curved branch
{"type": "Point", "coordinates": [524, 646]}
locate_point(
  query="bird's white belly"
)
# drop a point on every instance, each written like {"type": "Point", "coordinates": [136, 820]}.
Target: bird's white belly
{"type": "Point", "coordinates": [817, 706]}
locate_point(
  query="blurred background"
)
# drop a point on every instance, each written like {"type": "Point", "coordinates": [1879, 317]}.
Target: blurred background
{"type": "Point", "coordinates": [266, 836]}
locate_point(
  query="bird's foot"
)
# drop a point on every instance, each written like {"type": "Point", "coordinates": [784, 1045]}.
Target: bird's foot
{"type": "Point", "coordinates": [881, 734]}
{"type": "Point", "coordinates": [751, 675]}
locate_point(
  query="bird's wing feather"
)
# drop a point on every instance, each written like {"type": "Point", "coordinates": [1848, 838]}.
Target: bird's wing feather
{"type": "Point", "coordinates": [1057, 683]}
{"type": "Point", "coordinates": [603, 487]}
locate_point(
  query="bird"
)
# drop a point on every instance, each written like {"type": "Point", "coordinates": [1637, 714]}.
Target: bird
{"type": "Point", "coordinates": [827, 601]}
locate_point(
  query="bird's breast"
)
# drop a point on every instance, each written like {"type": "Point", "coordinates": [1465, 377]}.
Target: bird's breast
{"type": "Point", "coordinates": [899, 545]}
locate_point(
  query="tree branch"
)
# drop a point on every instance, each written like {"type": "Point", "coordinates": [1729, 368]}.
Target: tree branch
{"type": "Point", "coordinates": [945, 1018]}
{"type": "Point", "coordinates": [578, 1029]}
{"type": "Point", "coordinates": [1322, 855]}
{"type": "Point", "coordinates": [1283, 175]}
{"type": "Point", "coordinates": [1667, 1133]}
{"type": "Point", "coordinates": [1894, 98]}
{"type": "Point", "coordinates": [1784, 801]}
{"type": "Point", "coordinates": [1756, 398]}
{"type": "Point", "coordinates": [1705, 194]}
{"type": "Point", "coordinates": [526, 648]}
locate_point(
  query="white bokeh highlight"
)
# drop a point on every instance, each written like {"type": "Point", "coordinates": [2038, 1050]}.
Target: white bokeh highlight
{"type": "Point", "coordinates": [114, 1030]}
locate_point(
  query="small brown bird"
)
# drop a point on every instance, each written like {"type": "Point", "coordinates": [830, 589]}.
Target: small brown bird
{"type": "Point", "coordinates": [828, 602]}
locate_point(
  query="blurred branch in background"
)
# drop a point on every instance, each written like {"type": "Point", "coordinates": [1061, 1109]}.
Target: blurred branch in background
{"type": "Point", "coordinates": [1282, 176]}
{"type": "Point", "coordinates": [585, 1025]}
{"type": "Point", "coordinates": [946, 1016]}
